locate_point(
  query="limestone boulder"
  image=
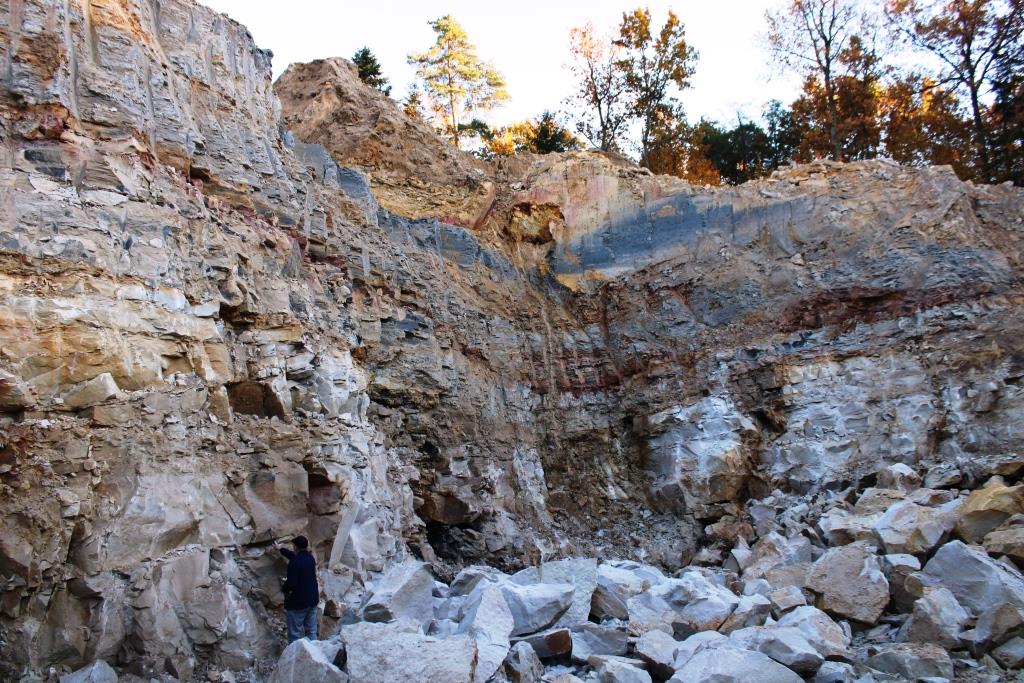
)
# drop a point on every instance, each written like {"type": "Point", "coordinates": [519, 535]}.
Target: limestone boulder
{"type": "Point", "coordinates": [785, 644]}
{"type": "Point", "coordinates": [580, 573]}
{"type": "Point", "coordinates": [555, 642]}
{"type": "Point", "coordinates": [100, 388]}
{"type": "Point", "coordinates": [826, 636]}
{"type": "Point", "coordinates": [1007, 540]}
{"type": "Point", "coordinates": [659, 650]}
{"type": "Point", "coordinates": [97, 672]}
{"type": "Point", "coordinates": [937, 618]}
{"type": "Point", "coordinates": [488, 620]}
{"type": "Point", "coordinates": [536, 606]}
{"type": "Point", "coordinates": [682, 606]}
{"type": "Point", "coordinates": [912, 661]}
{"type": "Point", "coordinates": [733, 665]}
{"type": "Point", "coordinates": [610, 670]}
{"type": "Point", "coordinates": [785, 599]}
{"type": "Point", "coordinates": [850, 583]}
{"type": "Point", "coordinates": [617, 582]}
{"type": "Point", "coordinates": [1011, 653]}
{"type": "Point", "coordinates": [398, 651]}
{"type": "Point", "coordinates": [899, 477]}
{"type": "Point", "coordinates": [914, 529]}
{"type": "Point", "coordinates": [698, 454]}
{"type": "Point", "coordinates": [705, 640]}
{"type": "Point", "coordinates": [835, 672]}
{"type": "Point", "coordinates": [522, 665]}
{"type": "Point", "coordinates": [978, 582]}
{"type": "Point", "coordinates": [306, 660]}
{"type": "Point", "coordinates": [591, 639]}
{"type": "Point", "coordinates": [751, 610]}
{"type": "Point", "coordinates": [404, 592]}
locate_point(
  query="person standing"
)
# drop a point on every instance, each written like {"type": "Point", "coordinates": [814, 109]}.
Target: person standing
{"type": "Point", "coordinates": [301, 591]}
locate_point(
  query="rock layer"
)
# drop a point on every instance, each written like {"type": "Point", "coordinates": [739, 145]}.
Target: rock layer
{"type": "Point", "coordinates": [213, 336]}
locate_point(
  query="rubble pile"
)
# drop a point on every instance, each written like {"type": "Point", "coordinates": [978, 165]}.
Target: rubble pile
{"type": "Point", "coordinates": [783, 420]}
{"type": "Point", "coordinates": [840, 587]}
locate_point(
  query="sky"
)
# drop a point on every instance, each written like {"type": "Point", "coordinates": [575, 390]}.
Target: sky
{"type": "Point", "coordinates": [528, 41]}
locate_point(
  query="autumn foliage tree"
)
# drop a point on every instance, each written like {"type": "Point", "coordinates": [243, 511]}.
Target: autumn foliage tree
{"type": "Point", "coordinates": [812, 36]}
{"type": "Point", "coordinates": [655, 66]}
{"type": "Point", "coordinates": [601, 99]}
{"type": "Point", "coordinates": [455, 79]}
{"type": "Point", "coordinates": [970, 39]}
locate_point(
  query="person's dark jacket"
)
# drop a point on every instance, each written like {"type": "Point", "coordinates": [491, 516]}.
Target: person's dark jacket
{"type": "Point", "coordinates": [300, 588]}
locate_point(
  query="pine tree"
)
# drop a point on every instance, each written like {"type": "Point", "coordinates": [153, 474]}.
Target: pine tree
{"type": "Point", "coordinates": [370, 71]}
{"type": "Point", "coordinates": [457, 81]}
{"type": "Point", "coordinates": [413, 105]}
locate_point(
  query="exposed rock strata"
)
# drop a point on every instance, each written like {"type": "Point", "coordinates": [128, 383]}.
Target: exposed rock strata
{"type": "Point", "coordinates": [212, 336]}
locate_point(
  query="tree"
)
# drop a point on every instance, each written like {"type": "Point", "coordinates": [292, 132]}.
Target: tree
{"type": "Point", "coordinates": [456, 80]}
{"type": "Point", "coordinates": [541, 136]}
{"type": "Point", "coordinates": [547, 136]}
{"type": "Point", "coordinates": [1007, 116]}
{"type": "Point", "coordinates": [810, 35]}
{"type": "Point", "coordinates": [968, 38]}
{"type": "Point", "coordinates": [925, 124]}
{"type": "Point", "coordinates": [413, 104]}
{"type": "Point", "coordinates": [369, 70]}
{"type": "Point", "coordinates": [845, 125]}
{"type": "Point", "coordinates": [783, 134]}
{"type": "Point", "coordinates": [601, 96]}
{"type": "Point", "coordinates": [651, 66]}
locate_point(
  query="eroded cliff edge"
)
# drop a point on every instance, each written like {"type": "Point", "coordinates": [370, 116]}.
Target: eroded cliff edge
{"type": "Point", "coordinates": [213, 336]}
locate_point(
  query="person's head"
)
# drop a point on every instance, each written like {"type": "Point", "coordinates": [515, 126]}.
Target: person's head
{"type": "Point", "coordinates": [300, 542]}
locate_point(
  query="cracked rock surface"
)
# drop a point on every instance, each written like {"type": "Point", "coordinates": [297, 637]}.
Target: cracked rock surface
{"type": "Point", "coordinates": [527, 420]}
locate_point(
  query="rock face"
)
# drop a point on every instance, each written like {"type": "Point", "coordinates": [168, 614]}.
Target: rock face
{"type": "Point", "coordinates": [213, 336]}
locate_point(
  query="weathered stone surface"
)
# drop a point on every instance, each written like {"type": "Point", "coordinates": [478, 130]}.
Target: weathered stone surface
{"type": "Point", "coordinates": [825, 635]}
{"type": "Point", "coordinates": [1007, 540]}
{"type": "Point", "coordinates": [987, 508]}
{"type": "Point", "coordinates": [580, 573]}
{"type": "Point", "coordinates": [912, 661]}
{"type": "Point", "coordinates": [404, 592]}
{"type": "Point", "coordinates": [537, 606]}
{"type": "Point", "coordinates": [617, 582]}
{"type": "Point", "coordinates": [97, 672]}
{"type": "Point", "coordinates": [659, 650]}
{"type": "Point", "coordinates": [733, 665]}
{"type": "Point", "coordinates": [1011, 653]}
{"type": "Point", "coordinates": [214, 336]}
{"type": "Point", "coordinates": [785, 644]}
{"type": "Point", "coordinates": [96, 390]}
{"type": "Point", "coordinates": [835, 672]}
{"type": "Point", "coordinates": [698, 454]}
{"type": "Point", "coordinates": [937, 618]}
{"type": "Point", "coordinates": [682, 606]}
{"type": "Point", "coordinates": [613, 671]}
{"type": "Point", "coordinates": [554, 642]}
{"type": "Point", "coordinates": [978, 582]}
{"type": "Point", "coordinates": [523, 665]}
{"type": "Point", "coordinates": [372, 655]}
{"type": "Point", "coordinates": [914, 529]}
{"type": "Point", "coordinates": [596, 639]}
{"type": "Point", "coordinates": [489, 621]}
{"type": "Point", "coordinates": [305, 660]}
{"type": "Point", "coordinates": [785, 599]}
{"type": "Point", "coordinates": [850, 582]}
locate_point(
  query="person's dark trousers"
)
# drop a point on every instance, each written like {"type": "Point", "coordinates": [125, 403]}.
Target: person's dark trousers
{"type": "Point", "coordinates": [301, 623]}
